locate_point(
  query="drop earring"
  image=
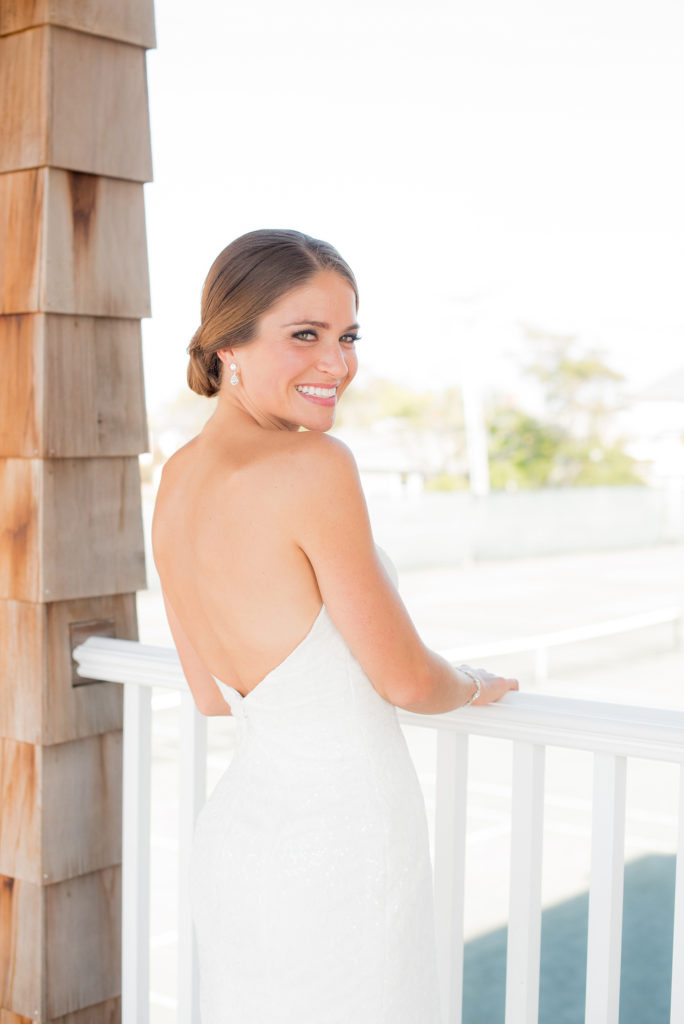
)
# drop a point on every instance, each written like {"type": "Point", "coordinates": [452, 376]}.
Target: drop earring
{"type": "Point", "coordinates": [234, 380]}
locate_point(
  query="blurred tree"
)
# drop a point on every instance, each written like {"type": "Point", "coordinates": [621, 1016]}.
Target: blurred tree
{"type": "Point", "coordinates": [364, 405]}
{"type": "Point", "coordinates": [580, 390]}
{"type": "Point", "coordinates": [574, 443]}
{"type": "Point", "coordinates": [427, 428]}
{"type": "Point", "coordinates": [522, 449]}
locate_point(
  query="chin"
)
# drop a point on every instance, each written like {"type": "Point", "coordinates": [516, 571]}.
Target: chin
{"type": "Point", "coordinates": [319, 423]}
{"type": "Point", "coordinates": [320, 428]}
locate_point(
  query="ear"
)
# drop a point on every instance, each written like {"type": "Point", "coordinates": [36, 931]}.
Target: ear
{"type": "Point", "coordinates": [225, 355]}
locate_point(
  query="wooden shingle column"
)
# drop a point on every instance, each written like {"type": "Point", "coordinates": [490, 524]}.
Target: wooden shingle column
{"type": "Point", "coordinates": [74, 153]}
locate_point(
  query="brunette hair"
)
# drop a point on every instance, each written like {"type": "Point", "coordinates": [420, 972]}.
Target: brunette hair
{"type": "Point", "coordinates": [244, 281]}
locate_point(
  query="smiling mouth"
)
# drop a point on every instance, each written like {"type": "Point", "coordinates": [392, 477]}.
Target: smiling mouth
{"type": "Point", "coordinates": [307, 389]}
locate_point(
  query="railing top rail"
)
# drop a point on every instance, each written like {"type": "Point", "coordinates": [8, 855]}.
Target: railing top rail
{"type": "Point", "coordinates": [631, 730]}
{"type": "Point", "coordinates": [127, 661]}
{"type": "Point", "coordinates": [538, 718]}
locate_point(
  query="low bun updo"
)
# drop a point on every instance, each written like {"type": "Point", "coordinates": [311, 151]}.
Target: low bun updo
{"type": "Point", "coordinates": [204, 372]}
{"type": "Point", "coordinates": [244, 281]}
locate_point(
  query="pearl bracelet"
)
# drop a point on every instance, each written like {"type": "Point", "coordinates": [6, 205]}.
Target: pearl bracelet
{"type": "Point", "coordinates": [478, 685]}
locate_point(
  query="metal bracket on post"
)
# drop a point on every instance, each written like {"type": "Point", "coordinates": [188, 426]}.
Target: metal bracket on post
{"type": "Point", "coordinates": [80, 631]}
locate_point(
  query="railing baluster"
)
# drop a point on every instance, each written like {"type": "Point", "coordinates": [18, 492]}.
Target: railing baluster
{"type": "Point", "coordinates": [137, 760]}
{"type": "Point", "coordinates": [450, 832]}
{"type": "Point", "coordinates": [192, 790]}
{"type": "Point", "coordinates": [524, 925]}
{"type": "Point", "coordinates": [606, 890]}
{"type": "Point", "coordinates": [677, 1003]}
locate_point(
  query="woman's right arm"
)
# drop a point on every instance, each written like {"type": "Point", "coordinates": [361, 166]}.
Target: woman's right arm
{"type": "Point", "coordinates": [332, 527]}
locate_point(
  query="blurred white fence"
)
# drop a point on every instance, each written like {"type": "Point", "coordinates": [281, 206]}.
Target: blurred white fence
{"type": "Point", "coordinates": [613, 733]}
{"type": "Point", "coordinates": [421, 530]}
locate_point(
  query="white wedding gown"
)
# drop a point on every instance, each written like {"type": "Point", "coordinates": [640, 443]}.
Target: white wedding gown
{"type": "Point", "coordinates": [310, 875]}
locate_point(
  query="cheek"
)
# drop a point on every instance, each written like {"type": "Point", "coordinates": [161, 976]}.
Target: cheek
{"type": "Point", "coordinates": [352, 362]}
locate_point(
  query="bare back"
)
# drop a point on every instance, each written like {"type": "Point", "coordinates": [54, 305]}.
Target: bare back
{"type": "Point", "coordinates": [224, 547]}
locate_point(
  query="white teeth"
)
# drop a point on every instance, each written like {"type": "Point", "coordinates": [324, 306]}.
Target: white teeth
{"type": "Point", "coordinates": [305, 389]}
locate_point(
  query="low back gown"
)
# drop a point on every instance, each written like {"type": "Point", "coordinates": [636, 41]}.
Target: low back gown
{"type": "Point", "coordinates": [310, 874]}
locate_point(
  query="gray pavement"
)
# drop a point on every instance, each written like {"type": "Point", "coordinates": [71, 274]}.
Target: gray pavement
{"type": "Point", "coordinates": [646, 955]}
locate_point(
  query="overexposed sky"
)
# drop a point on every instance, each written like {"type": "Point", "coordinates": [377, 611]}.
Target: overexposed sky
{"type": "Point", "coordinates": [478, 164]}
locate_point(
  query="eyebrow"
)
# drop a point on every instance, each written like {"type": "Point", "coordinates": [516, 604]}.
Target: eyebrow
{"type": "Point", "coordinates": [318, 323]}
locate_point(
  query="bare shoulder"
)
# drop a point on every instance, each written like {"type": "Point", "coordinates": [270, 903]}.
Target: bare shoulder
{"type": "Point", "coordinates": [178, 459]}
{"type": "Point", "coordinates": [321, 461]}
{"type": "Point", "coordinates": [173, 471]}
{"type": "Point", "coordinates": [323, 485]}
{"type": "Point", "coordinates": [319, 449]}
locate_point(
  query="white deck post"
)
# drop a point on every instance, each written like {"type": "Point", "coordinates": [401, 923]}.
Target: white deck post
{"type": "Point", "coordinates": [606, 890]}
{"type": "Point", "coordinates": [450, 841]}
{"type": "Point", "coordinates": [524, 925]}
{"type": "Point", "coordinates": [192, 790]}
{"type": "Point", "coordinates": [137, 760]}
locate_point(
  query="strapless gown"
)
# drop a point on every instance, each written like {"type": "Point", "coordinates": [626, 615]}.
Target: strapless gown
{"type": "Point", "coordinates": [310, 875]}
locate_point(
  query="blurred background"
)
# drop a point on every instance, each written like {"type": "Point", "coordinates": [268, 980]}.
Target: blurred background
{"type": "Point", "coordinates": [506, 182]}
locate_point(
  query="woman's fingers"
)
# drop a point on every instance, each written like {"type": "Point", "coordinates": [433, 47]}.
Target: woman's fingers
{"type": "Point", "coordinates": [493, 686]}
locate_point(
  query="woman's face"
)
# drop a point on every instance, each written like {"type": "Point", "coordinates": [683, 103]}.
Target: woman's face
{"type": "Point", "coordinates": [302, 358]}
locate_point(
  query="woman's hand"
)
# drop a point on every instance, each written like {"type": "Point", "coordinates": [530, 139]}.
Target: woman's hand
{"type": "Point", "coordinates": [493, 686]}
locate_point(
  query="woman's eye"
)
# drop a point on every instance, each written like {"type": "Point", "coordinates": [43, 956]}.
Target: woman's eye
{"type": "Point", "coordinates": [347, 339]}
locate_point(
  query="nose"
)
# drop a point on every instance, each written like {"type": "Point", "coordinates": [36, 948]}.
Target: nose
{"type": "Point", "coordinates": [332, 359]}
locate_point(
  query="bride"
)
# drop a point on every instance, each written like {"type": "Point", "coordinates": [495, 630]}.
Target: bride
{"type": "Point", "coordinates": [310, 873]}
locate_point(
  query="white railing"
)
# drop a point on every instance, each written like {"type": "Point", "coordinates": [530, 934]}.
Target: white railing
{"type": "Point", "coordinates": [532, 721]}
{"type": "Point", "coordinates": [141, 667]}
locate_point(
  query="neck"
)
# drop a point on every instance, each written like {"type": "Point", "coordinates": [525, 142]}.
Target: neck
{"type": "Point", "coordinates": [235, 413]}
